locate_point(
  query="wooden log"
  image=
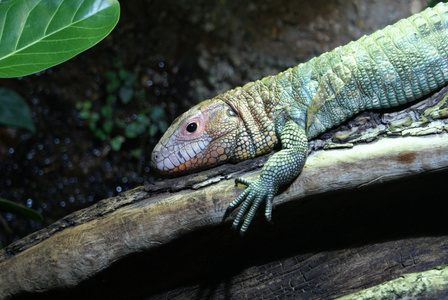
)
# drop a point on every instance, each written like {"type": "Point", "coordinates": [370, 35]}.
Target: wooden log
{"type": "Point", "coordinates": [432, 284]}
{"type": "Point", "coordinates": [326, 245]}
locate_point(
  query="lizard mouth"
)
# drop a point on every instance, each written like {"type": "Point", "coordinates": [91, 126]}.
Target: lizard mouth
{"type": "Point", "coordinates": [177, 159]}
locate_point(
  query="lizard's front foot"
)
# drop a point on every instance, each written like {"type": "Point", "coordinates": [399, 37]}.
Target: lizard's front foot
{"type": "Point", "coordinates": [257, 191]}
{"type": "Point", "coordinates": [281, 169]}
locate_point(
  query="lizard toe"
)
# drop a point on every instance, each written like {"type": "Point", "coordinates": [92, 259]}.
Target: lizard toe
{"type": "Point", "coordinates": [243, 181]}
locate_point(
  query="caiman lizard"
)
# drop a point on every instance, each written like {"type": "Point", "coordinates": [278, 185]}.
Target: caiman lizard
{"type": "Point", "coordinates": [390, 67]}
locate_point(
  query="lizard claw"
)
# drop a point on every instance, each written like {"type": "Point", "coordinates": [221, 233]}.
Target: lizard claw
{"type": "Point", "coordinates": [243, 181]}
{"type": "Point", "coordinates": [238, 200]}
{"type": "Point", "coordinates": [250, 200]}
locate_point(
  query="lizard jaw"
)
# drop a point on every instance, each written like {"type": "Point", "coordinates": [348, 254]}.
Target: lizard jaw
{"type": "Point", "coordinates": [177, 159]}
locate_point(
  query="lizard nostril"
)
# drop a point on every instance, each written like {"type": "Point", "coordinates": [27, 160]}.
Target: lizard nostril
{"type": "Point", "coordinates": [155, 156]}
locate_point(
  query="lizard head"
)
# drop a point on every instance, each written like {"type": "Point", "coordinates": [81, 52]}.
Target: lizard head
{"type": "Point", "coordinates": [201, 138]}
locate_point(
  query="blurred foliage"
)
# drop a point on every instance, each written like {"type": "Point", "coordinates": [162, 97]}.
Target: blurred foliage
{"type": "Point", "coordinates": [14, 111]}
{"type": "Point", "coordinates": [125, 113]}
{"type": "Point", "coordinates": [36, 35]}
{"type": "Point", "coordinates": [20, 210]}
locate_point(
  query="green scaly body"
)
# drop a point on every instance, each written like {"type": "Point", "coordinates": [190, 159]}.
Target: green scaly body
{"type": "Point", "coordinates": [390, 67]}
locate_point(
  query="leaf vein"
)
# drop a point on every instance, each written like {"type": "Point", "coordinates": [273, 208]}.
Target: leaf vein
{"type": "Point", "coordinates": [51, 18]}
{"type": "Point", "coordinates": [16, 49]}
{"type": "Point", "coordinates": [23, 26]}
{"type": "Point", "coordinates": [4, 22]}
{"type": "Point", "coordinates": [75, 12]}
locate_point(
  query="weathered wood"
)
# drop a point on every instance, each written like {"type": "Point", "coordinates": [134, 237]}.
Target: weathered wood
{"type": "Point", "coordinates": [319, 245]}
{"type": "Point", "coordinates": [432, 284]}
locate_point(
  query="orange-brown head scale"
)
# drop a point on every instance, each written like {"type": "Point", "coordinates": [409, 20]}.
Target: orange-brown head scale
{"type": "Point", "coordinates": [203, 137]}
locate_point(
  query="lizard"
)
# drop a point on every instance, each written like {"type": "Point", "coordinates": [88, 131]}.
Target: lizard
{"type": "Point", "coordinates": [390, 67]}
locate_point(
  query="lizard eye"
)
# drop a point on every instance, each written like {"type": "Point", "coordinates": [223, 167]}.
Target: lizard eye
{"type": "Point", "coordinates": [192, 127]}
{"type": "Point", "coordinates": [231, 113]}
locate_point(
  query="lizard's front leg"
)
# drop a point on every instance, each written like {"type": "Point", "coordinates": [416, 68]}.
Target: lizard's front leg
{"type": "Point", "coordinates": [281, 169]}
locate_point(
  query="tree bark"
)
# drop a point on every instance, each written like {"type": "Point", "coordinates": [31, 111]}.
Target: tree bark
{"type": "Point", "coordinates": [355, 225]}
{"type": "Point", "coordinates": [432, 284]}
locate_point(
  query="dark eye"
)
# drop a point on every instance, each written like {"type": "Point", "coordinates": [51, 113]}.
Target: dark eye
{"type": "Point", "coordinates": [231, 113]}
{"type": "Point", "coordinates": [192, 127]}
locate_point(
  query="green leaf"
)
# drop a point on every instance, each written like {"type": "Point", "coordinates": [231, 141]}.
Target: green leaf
{"type": "Point", "coordinates": [19, 209]}
{"type": "Point", "coordinates": [87, 105]}
{"type": "Point", "coordinates": [100, 134]}
{"type": "Point", "coordinates": [120, 123]}
{"type": "Point", "coordinates": [107, 111]}
{"type": "Point", "coordinates": [94, 117]}
{"type": "Point", "coordinates": [132, 130]}
{"type": "Point", "coordinates": [114, 82]}
{"type": "Point", "coordinates": [38, 34]}
{"type": "Point", "coordinates": [157, 113]}
{"type": "Point", "coordinates": [116, 142]}
{"type": "Point", "coordinates": [143, 119]}
{"type": "Point", "coordinates": [163, 126]}
{"type": "Point", "coordinates": [126, 93]}
{"type": "Point", "coordinates": [153, 130]}
{"type": "Point", "coordinates": [108, 126]}
{"type": "Point", "coordinates": [125, 75]}
{"type": "Point", "coordinates": [137, 153]}
{"type": "Point", "coordinates": [92, 126]}
{"type": "Point", "coordinates": [111, 99]}
{"type": "Point", "coordinates": [14, 111]}
{"type": "Point", "coordinates": [84, 114]}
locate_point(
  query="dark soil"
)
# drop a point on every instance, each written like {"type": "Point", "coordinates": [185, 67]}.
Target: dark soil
{"type": "Point", "coordinates": [180, 53]}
